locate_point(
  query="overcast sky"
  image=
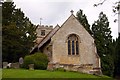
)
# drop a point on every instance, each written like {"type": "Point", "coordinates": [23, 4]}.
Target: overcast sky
{"type": "Point", "coordinates": [55, 12]}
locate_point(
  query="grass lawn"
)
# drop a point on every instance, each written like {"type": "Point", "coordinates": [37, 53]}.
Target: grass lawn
{"type": "Point", "coordinates": [23, 73]}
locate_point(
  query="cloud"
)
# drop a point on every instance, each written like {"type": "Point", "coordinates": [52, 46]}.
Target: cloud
{"type": "Point", "coordinates": [57, 11]}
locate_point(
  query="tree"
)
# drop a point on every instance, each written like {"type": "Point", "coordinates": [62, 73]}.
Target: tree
{"type": "Point", "coordinates": [7, 12]}
{"type": "Point", "coordinates": [83, 20]}
{"type": "Point", "coordinates": [18, 33]}
{"type": "Point", "coordinates": [115, 9]}
{"type": "Point", "coordinates": [117, 57]}
{"type": "Point", "coordinates": [103, 41]}
{"type": "Point", "coordinates": [11, 45]}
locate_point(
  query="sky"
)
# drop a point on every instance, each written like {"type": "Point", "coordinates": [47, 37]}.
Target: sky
{"type": "Point", "coordinates": [55, 12]}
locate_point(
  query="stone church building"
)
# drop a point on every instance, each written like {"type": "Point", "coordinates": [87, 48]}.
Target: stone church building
{"type": "Point", "coordinates": [68, 46]}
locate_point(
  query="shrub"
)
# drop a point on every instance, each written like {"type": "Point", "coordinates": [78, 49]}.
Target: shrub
{"type": "Point", "coordinates": [39, 60]}
{"type": "Point", "coordinates": [28, 60]}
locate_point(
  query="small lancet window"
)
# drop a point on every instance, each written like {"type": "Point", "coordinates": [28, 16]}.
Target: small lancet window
{"type": "Point", "coordinates": [42, 32]}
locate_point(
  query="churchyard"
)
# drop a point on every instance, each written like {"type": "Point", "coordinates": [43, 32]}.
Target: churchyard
{"type": "Point", "coordinates": [16, 70]}
{"type": "Point", "coordinates": [74, 49]}
{"type": "Point", "coordinates": [25, 73]}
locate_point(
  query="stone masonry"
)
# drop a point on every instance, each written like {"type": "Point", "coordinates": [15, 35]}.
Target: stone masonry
{"type": "Point", "coordinates": [39, 29]}
{"type": "Point", "coordinates": [55, 46]}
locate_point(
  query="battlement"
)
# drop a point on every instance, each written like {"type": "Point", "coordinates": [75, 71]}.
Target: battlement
{"type": "Point", "coordinates": [43, 30]}
{"type": "Point", "coordinates": [44, 26]}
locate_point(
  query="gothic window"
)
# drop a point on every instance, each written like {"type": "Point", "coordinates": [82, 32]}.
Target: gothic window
{"type": "Point", "coordinates": [73, 45]}
{"type": "Point", "coordinates": [69, 48]}
{"type": "Point", "coordinates": [42, 32]}
{"type": "Point", "coordinates": [77, 48]}
{"type": "Point", "coordinates": [73, 48]}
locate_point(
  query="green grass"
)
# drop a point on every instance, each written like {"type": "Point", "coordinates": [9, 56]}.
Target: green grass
{"type": "Point", "coordinates": [22, 73]}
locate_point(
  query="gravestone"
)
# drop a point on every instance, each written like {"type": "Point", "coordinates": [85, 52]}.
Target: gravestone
{"type": "Point", "coordinates": [21, 61]}
{"type": "Point", "coordinates": [5, 64]}
{"type": "Point", "coordinates": [15, 65]}
{"type": "Point", "coordinates": [31, 66]}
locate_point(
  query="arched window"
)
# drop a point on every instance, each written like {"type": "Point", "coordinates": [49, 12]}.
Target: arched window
{"type": "Point", "coordinates": [73, 48]}
{"type": "Point", "coordinates": [77, 48]}
{"type": "Point", "coordinates": [69, 48]}
{"type": "Point", "coordinates": [73, 45]}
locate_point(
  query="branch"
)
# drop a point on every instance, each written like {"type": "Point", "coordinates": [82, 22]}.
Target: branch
{"type": "Point", "coordinates": [95, 5]}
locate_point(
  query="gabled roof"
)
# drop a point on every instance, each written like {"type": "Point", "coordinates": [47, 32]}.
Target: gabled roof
{"type": "Point", "coordinates": [51, 34]}
{"type": "Point", "coordinates": [46, 38]}
{"type": "Point", "coordinates": [73, 16]}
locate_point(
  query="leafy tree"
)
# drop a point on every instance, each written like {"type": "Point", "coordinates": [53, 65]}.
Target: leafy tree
{"type": "Point", "coordinates": [103, 41]}
{"type": "Point", "coordinates": [82, 18]}
{"type": "Point", "coordinates": [18, 33]}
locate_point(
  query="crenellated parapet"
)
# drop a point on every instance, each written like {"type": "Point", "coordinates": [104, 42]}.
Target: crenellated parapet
{"type": "Point", "coordinates": [42, 31]}
{"type": "Point", "coordinates": [44, 27]}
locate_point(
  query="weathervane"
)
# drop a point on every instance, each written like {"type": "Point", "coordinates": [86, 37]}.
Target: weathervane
{"type": "Point", "coordinates": [40, 21]}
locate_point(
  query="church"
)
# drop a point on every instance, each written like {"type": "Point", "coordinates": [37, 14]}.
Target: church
{"type": "Point", "coordinates": [68, 46]}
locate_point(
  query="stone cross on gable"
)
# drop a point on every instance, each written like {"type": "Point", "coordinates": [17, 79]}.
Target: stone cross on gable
{"type": "Point", "coordinates": [71, 11]}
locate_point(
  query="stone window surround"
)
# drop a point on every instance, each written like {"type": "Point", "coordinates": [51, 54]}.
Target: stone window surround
{"type": "Point", "coordinates": [42, 32]}
{"type": "Point", "coordinates": [77, 39]}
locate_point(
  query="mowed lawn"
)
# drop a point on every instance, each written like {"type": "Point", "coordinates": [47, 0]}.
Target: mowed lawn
{"type": "Point", "coordinates": [22, 73]}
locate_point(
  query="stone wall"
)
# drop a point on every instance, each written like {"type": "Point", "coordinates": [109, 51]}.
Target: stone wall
{"type": "Point", "coordinates": [87, 61]}
{"type": "Point", "coordinates": [83, 68]}
{"type": "Point", "coordinates": [48, 51]}
{"type": "Point", "coordinates": [38, 31]}
{"type": "Point", "coordinates": [87, 49]}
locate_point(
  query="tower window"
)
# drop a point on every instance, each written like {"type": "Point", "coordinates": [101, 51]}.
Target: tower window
{"type": "Point", "coordinates": [42, 32]}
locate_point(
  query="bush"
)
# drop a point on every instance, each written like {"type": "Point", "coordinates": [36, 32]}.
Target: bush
{"type": "Point", "coordinates": [39, 60]}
